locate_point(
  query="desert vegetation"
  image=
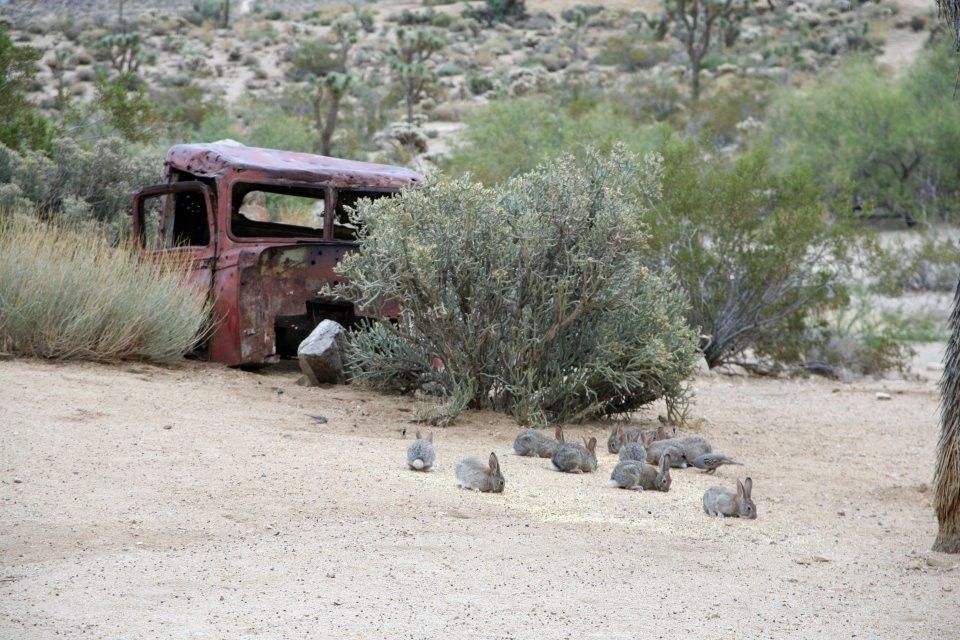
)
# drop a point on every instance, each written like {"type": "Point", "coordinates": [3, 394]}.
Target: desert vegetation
{"type": "Point", "coordinates": [65, 293]}
{"type": "Point", "coordinates": [534, 294]}
{"type": "Point", "coordinates": [670, 225]}
{"type": "Point", "coordinates": [771, 179]}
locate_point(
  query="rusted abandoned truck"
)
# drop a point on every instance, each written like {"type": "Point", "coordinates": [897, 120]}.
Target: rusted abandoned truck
{"type": "Point", "coordinates": [261, 231]}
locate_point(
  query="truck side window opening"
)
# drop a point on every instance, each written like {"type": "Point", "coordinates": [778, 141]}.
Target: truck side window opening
{"type": "Point", "coordinates": [188, 225]}
{"type": "Point", "coordinates": [345, 227]}
{"type": "Point", "coordinates": [263, 211]}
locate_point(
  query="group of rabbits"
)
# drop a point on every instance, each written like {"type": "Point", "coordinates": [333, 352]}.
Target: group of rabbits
{"type": "Point", "coordinates": [645, 462]}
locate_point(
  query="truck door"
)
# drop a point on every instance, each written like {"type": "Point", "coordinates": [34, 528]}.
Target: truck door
{"type": "Point", "coordinates": [177, 219]}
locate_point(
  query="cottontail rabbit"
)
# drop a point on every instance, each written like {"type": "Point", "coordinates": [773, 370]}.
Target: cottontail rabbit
{"type": "Point", "coordinates": [636, 450]}
{"type": "Point", "coordinates": [658, 449]}
{"type": "Point", "coordinates": [661, 433]}
{"type": "Point", "coordinates": [472, 474]}
{"type": "Point", "coordinates": [693, 446]}
{"type": "Point", "coordinates": [634, 474]}
{"type": "Point", "coordinates": [620, 435]}
{"type": "Point", "coordinates": [420, 453]}
{"type": "Point", "coordinates": [574, 458]}
{"type": "Point", "coordinates": [532, 442]}
{"type": "Point", "coordinates": [720, 501]}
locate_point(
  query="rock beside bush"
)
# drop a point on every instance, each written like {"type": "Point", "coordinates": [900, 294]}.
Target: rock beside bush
{"type": "Point", "coordinates": [321, 354]}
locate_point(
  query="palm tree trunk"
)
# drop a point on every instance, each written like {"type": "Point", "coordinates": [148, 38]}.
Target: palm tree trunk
{"type": "Point", "coordinates": [946, 480]}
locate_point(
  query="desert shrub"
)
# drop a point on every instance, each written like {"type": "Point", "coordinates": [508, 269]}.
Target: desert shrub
{"type": "Point", "coordinates": [313, 58]}
{"type": "Point", "coordinates": [68, 294]}
{"type": "Point", "coordinates": [890, 146]}
{"type": "Point", "coordinates": [127, 108]}
{"type": "Point", "coordinates": [753, 251]}
{"type": "Point", "coordinates": [189, 105]}
{"type": "Point", "coordinates": [533, 294]}
{"type": "Point", "coordinates": [479, 84]}
{"type": "Point", "coordinates": [932, 264]}
{"type": "Point", "coordinates": [493, 11]}
{"type": "Point", "coordinates": [21, 124]}
{"type": "Point", "coordinates": [631, 54]}
{"type": "Point", "coordinates": [718, 117]}
{"type": "Point", "coordinates": [859, 340]}
{"type": "Point", "coordinates": [511, 137]}
{"type": "Point", "coordinates": [274, 128]}
{"type": "Point", "coordinates": [76, 183]}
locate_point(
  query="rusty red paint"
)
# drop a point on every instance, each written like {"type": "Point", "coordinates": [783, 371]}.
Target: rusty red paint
{"type": "Point", "coordinates": [265, 290]}
{"type": "Point", "coordinates": [223, 160]}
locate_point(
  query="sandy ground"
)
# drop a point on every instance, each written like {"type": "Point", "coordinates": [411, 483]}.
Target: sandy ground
{"type": "Point", "coordinates": [202, 502]}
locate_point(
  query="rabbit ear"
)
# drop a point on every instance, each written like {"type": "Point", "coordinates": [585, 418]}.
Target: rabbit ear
{"type": "Point", "coordinates": [430, 436]}
{"type": "Point", "coordinates": [559, 433]}
{"type": "Point", "coordinates": [665, 463]}
{"type": "Point", "coordinates": [661, 433]}
{"type": "Point", "coordinates": [740, 489]}
{"type": "Point", "coordinates": [419, 437]}
{"type": "Point", "coordinates": [747, 487]}
{"type": "Point", "coordinates": [591, 445]}
{"type": "Point", "coordinates": [494, 463]}
{"type": "Point", "coordinates": [647, 439]}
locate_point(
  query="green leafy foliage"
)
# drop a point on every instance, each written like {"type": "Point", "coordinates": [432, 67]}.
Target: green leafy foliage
{"type": "Point", "coordinates": [128, 108]}
{"type": "Point", "coordinates": [753, 251]}
{"type": "Point", "coordinates": [77, 184]}
{"type": "Point", "coordinates": [888, 146]}
{"type": "Point", "coordinates": [494, 11]}
{"type": "Point", "coordinates": [509, 138]}
{"type": "Point", "coordinates": [533, 294]}
{"type": "Point", "coordinates": [21, 125]}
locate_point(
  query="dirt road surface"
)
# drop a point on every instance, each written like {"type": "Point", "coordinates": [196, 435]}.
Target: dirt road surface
{"type": "Point", "coordinates": [202, 502]}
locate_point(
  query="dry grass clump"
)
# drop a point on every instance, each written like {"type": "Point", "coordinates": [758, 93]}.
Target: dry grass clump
{"type": "Point", "coordinates": [65, 293]}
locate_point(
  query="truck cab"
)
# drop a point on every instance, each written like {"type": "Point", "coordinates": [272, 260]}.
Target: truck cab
{"type": "Point", "coordinates": [261, 231]}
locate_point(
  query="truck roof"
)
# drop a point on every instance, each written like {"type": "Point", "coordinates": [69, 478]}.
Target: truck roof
{"type": "Point", "coordinates": [218, 159]}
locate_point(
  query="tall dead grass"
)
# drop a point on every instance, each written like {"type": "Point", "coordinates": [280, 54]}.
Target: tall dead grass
{"type": "Point", "coordinates": [65, 293]}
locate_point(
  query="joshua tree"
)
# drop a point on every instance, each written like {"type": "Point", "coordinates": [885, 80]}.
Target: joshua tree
{"type": "Point", "coordinates": [693, 23]}
{"type": "Point", "coordinates": [949, 11]}
{"type": "Point", "coordinates": [408, 59]}
{"type": "Point", "coordinates": [946, 479]}
{"type": "Point", "coordinates": [333, 86]}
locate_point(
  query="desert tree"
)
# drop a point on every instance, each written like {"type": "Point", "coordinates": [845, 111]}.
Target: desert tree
{"type": "Point", "coordinates": [946, 480]}
{"type": "Point", "coordinates": [22, 126]}
{"type": "Point", "coordinates": [694, 23]}
{"type": "Point", "coordinates": [123, 50]}
{"type": "Point", "coordinates": [332, 86]}
{"type": "Point", "coordinates": [408, 60]}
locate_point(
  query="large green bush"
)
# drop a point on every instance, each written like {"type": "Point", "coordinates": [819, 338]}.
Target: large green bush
{"type": "Point", "coordinates": [753, 251]}
{"type": "Point", "coordinates": [889, 147]}
{"type": "Point", "coordinates": [533, 294]}
{"type": "Point", "coordinates": [21, 124]}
